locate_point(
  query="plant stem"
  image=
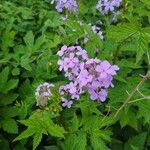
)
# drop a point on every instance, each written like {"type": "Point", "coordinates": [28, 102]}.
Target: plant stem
{"type": "Point", "coordinates": [136, 100]}
{"type": "Point", "coordinates": [132, 93]}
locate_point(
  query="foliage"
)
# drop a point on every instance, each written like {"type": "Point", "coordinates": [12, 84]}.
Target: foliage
{"type": "Point", "coordinates": [31, 33]}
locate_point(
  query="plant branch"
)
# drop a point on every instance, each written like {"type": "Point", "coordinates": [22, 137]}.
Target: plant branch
{"type": "Point", "coordinates": [136, 100]}
{"type": "Point", "coordinates": [132, 93]}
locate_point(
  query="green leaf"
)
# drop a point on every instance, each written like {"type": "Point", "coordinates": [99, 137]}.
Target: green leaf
{"type": "Point", "coordinates": [10, 126]}
{"type": "Point", "coordinates": [56, 130]}
{"type": "Point", "coordinates": [6, 99]}
{"type": "Point", "coordinates": [104, 134]}
{"type": "Point", "coordinates": [38, 43]}
{"type": "Point", "coordinates": [74, 123]}
{"type": "Point", "coordinates": [76, 141]}
{"type": "Point", "coordinates": [91, 49]}
{"type": "Point", "coordinates": [81, 142]}
{"type": "Point", "coordinates": [144, 110]}
{"type": "Point", "coordinates": [40, 123]}
{"type": "Point", "coordinates": [15, 71]}
{"type": "Point", "coordinates": [7, 39]}
{"type": "Point", "coordinates": [29, 39]}
{"type": "Point", "coordinates": [136, 141]}
{"type": "Point", "coordinates": [25, 134]}
{"type": "Point", "coordinates": [131, 120]}
{"type": "Point", "coordinates": [4, 77]}
{"type": "Point", "coordinates": [8, 112]}
{"type": "Point", "coordinates": [25, 63]}
{"type": "Point", "coordinates": [37, 138]}
{"type": "Point", "coordinates": [11, 84]}
{"type": "Point", "coordinates": [133, 31]}
{"type": "Point", "coordinates": [122, 32]}
{"type": "Point", "coordinates": [142, 46]}
{"type": "Point", "coordinates": [70, 142]}
{"type": "Point", "coordinates": [97, 142]}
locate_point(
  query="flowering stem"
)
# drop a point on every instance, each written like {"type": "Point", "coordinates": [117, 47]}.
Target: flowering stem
{"type": "Point", "coordinates": [132, 93]}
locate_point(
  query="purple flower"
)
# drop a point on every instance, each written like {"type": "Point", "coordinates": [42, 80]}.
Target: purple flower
{"type": "Point", "coordinates": [108, 6]}
{"type": "Point", "coordinates": [84, 77]}
{"type": "Point", "coordinates": [106, 69]}
{"type": "Point", "coordinates": [93, 94]}
{"type": "Point", "coordinates": [66, 103]}
{"type": "Point", "coordinates": [98, 31]}
{"type": "Point", "coordinates": [42, 93]}
{"type": "Point", "coordinates": [85, 40]}
{"type": "Point", "coordinates": [105, 6]}
{"type": "Point", "coordinates": [92, 74]}
{"type": "Point", "coordinates": [102, 95]}
{"type": "Point", "coordinates": [70, 5]}
{"type": "Point", "coordinates": [61, 52]}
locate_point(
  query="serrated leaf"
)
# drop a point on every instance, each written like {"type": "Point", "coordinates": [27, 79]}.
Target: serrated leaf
{"type": "Point", "coordinates": [6, 99]}
{"type": "Point", "coordinates": [15, 71]}
{"type": "Point", "coordinates": [104, 134]}
{"type": "Point", "coordinates": [142, 46]}
{"type": "Point", "coordinates": [29, 122]}
{"type": "Point", "coordinates": [136, 141]}
{"type": "Point", "coordinates": [74, 123]}
{"type": "Point", "coordinates": [8, 112]}
{"type": "Point", "coordinates": [10, 126]}
{"type": "Point", "coordinates": [128, 118]}
{"type": "Point", "coordinates": [37, 138]}
{"type": "Point", "coordinates": [144, 110]}
{"type": "Point", "coordinates": [7, 38]}
{"type": "Point", "coordinates": [25, 134]}
{"type": "Point", "coordinates": [122, 32]}
{"type": "Point", "coordinates": [81, 142]}
{"type": "Point", "coordinates": [25, 63]}
{"type": "Point", "coordinates": [4, 77]}
{"type": "Point", "coordinates": [29, 39]}
{"type": "Point", "coordinates": [70, 142]}
{"type": "Point", "coordinates": [11, 84]}
{"type": "Point", "coordinates": [56, 130]}
{"type": "Point", "coordinates": [38, 43]}
{"type": "Point", "coordinates": [97, 143]}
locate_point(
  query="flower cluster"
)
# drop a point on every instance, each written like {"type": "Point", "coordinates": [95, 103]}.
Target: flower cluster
{"type": "Point", "coordinates": [84, 73]}
{"type": "Point", "coordinates": [70, 5]}
{"type": "Point", "coordinates": [108, 5]}
{"type": "Point", "coordinates": [42, 93]}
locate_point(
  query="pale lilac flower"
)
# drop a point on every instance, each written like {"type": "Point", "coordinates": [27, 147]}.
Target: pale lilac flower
{"type": "Point", "coordinates": [92, 74]}
{"type": "Point", "coordinates": [85, 40]}
{"type": "Point", "coordinates": [84, 77]}
{"type": "Point", "coordinates": [98, 31]}
{"type": "Point", "coordinates": [66, 103]}
{"type": "Point", "coordinates": [70, 5]}
{"type": "Point", "coordinates": [106, 69]}
{"type": "Point", "coordinates": [93, 94]}
{"type": "Point", "coordinates": [61, 52]}
{"type": "Point", "coordinates": [42, 93]}
{"type": "Point", "coordinates": [102, 95]}
{"type": "Point", "coordinates": [106, 6]}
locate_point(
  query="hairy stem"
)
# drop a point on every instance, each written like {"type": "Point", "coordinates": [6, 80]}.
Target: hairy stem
{"type": "Point", "coordinates": [132, 93]}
